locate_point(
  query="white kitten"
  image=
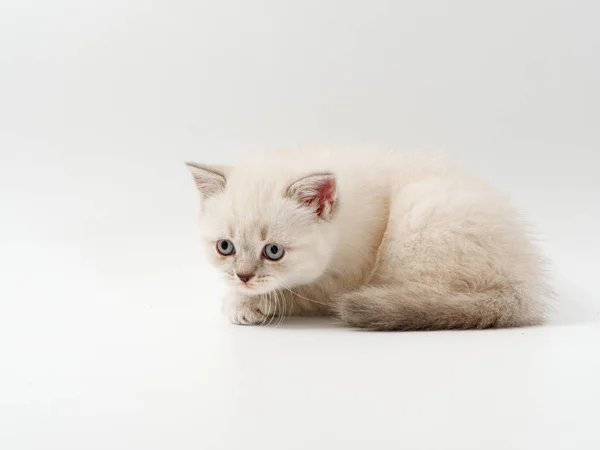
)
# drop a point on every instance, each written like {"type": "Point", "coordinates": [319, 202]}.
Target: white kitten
{"type": "Point", "coordinates": [385, 242]}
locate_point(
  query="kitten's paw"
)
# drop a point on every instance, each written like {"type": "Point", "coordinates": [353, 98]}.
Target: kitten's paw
{"type": "Point", "coordinates": [246, 313]}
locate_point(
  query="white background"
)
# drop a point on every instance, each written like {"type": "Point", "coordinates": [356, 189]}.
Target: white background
{"type": "Point", "coordinates": [110, 333]}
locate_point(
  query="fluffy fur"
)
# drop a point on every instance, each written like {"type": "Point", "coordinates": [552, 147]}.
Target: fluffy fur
{"type": "Point", "coordinates": [382, 241]}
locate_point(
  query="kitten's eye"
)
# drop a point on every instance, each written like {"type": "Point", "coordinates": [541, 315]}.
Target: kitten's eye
{"type": "Point", "coordinates": [273, 252]}
{"type": "Point", "coordinates": [225, 247]}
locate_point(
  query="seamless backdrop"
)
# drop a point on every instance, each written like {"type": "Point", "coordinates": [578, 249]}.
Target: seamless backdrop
{"type": "Point", "coordinates": [110, 334]}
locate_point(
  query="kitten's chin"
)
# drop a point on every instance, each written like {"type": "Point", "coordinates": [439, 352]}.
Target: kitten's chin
{"type": "Point", "coordinates": [253, 290]}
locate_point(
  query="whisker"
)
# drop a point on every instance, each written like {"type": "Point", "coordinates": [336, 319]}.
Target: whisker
{"type": "Point", "coordinates": [274, 303]}
{"type": "Point", "coordinates": [269, 315]}
{"type": "Point", "coordinates": [267, 298]}
{"type": "Point", "coordinates": [279, 308]}
{"type": "Point", "coordinates": [284, 307]}
{"type": "Point", "coordinates": [287, 287]}
{"type": "Point", "coordinates": [263, 298]}
{"type": "Point", "coordinates": [284, 304]}
{"type": "Point", "coordinates": [291, 304]}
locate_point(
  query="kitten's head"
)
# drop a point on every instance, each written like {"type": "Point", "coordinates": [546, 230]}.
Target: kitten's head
{"type": "Point", "coordinates": [266, 231]}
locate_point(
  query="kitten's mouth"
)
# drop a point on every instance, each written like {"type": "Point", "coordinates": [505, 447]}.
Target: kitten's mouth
{"type": "Point", "coordinates": [251, 288]}
{"type": "Point", "coordinates": [254, 289]}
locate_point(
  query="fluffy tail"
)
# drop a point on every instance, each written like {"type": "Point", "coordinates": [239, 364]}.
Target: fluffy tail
{"type": "Point", "coordinates": [417, 306]}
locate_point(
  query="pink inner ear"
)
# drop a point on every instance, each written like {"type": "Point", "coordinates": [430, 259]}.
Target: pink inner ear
{"type": "Point", "coordinates": [323, 196]}
{"type": "Point", "coordinates": [209, 185]}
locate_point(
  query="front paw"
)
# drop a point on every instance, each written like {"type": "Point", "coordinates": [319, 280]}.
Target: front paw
{"type": "Point", "coordinates": [246, 312]}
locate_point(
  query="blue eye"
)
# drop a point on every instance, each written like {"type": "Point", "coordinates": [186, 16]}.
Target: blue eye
{"type": "Point", "coordinates": [273, 252]}
{"type": "Point", "coordinates": [225, 247]}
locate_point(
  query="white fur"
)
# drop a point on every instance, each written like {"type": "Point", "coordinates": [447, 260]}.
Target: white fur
{"type": "Point", "coordinates": [409, 243]}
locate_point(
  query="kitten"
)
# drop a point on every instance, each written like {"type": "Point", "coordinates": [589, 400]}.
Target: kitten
{"type": "Point", "coordinates": [382, 241]}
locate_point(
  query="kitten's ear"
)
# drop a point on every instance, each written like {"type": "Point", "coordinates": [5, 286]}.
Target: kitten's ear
{"type": "Point", "coordinates": [210, 180]}
{"type": "Point", "coordinates": [317, 191]}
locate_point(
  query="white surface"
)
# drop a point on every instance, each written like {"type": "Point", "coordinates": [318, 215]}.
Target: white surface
{"type": "Point", "coordinates": [110, 334]}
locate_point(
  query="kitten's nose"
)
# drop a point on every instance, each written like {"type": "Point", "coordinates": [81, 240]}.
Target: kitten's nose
{"type": "Point", "coordinates": [245, 277]}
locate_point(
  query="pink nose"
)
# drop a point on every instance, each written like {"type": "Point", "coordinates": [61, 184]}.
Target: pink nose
{"type": "Point", "coordinates": [245, 277]}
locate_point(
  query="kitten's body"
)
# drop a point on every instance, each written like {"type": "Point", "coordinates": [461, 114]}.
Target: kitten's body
{"type": "Point", "coordinates": [405, 243]}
